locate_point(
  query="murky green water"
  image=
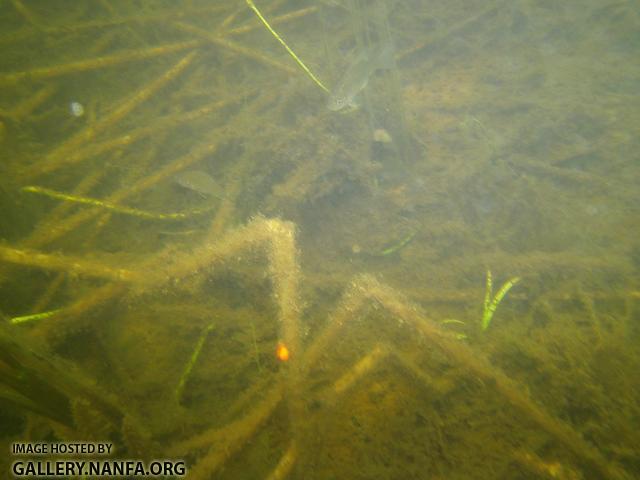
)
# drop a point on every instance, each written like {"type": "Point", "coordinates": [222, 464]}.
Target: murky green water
{"type": "Point", "coordinates": [320, 317]}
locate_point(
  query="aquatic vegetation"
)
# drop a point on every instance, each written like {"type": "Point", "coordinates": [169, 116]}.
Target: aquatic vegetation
{"type": "Point", "coordinates": [34, 317]}
{"type": "Point", "coordinates": [491, 304]}
{"type": "Point", "coordinates": [279, 238]}
{"type": "Point", "coordinates": [321, 354]}
{"type": "Point", "coordinates": [253, 7]}
{"type": "Point", "coordinates": [192, 361]}
{"type": "Point", "coordinates": [399, 245]}
{"type": "Point", "coordinates": [197, 185]}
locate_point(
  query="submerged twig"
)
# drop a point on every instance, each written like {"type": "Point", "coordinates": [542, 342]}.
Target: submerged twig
{"type": "Point", "coordinates": [97, 63]}
{"type": "Point", "coordinates": [69, 264]}
{"type": "Point", "coordinates": [234, 47]}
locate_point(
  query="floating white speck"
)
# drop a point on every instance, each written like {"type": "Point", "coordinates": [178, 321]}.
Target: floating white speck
{"type": "Point", "coordinates": [76, 109]}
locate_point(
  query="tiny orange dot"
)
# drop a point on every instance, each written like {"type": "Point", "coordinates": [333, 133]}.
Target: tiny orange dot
{"type": "Point", "coordinates": [282, 352]}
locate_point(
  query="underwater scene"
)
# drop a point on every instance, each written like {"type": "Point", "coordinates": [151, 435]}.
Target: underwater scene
{"type": "Point", "coordinates": [320, 239]}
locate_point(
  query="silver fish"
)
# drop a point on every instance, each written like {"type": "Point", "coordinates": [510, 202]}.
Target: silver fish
{"type": "Point", "coordinates": [199, 182]}
{"type": "Point", "coordinates": [357, 76]}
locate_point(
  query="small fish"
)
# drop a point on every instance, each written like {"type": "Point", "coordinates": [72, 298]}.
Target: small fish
{"type": "Point", "coordinates": [357, 76]}
{"type": "Point", "coordinates": [199, 182]}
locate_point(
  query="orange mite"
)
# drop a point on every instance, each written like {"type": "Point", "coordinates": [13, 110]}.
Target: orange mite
{"type": "Point", "coordinates": [282, 352]}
